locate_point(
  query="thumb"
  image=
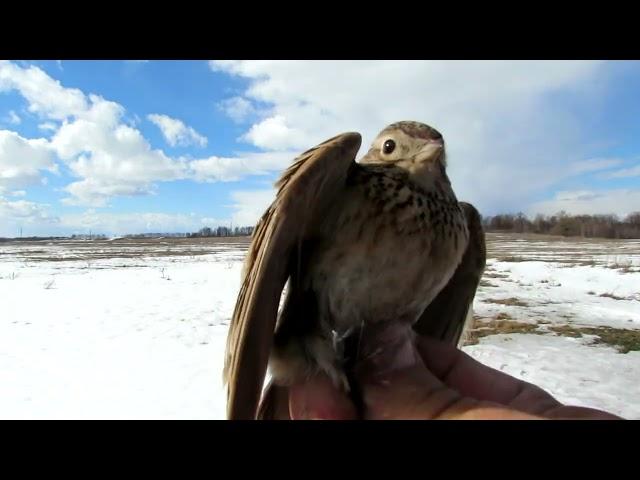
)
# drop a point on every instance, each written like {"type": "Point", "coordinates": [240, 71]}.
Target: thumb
{"type": "Point", "coordinates": [319, 399]}
{"type": "Point", "coordinates": [394, 381]}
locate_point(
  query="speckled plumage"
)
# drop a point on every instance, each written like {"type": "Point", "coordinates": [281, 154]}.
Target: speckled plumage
{"type": "Point", "coordinates": [385, 242]}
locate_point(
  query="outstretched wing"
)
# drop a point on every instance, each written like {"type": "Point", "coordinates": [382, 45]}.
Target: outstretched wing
{"type": "Point", "coordinates": [305, 191]}
{"type": "Point", "coordinates": [451, 311]}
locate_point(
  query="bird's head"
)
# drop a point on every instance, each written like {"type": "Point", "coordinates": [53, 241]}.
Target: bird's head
{"type": "Point", "coordinates": [414, 146]}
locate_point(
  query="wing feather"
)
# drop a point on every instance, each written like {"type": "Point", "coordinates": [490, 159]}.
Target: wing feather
{"type": "Point", "coordinates": [304, 193]}
{"type": "Point", "coordinates": [450, 313]}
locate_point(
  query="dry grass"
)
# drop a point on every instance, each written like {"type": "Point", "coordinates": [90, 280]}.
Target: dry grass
{"type": "Point", "coordinates": [76, 250]}
{"type": "Point", "coordinates": [624, 340]}
{"type": "Point", "coordinates": [612, 295]}
{"type": "Point", "coordinates": [512, 301]}
{"type": "Point", "coordinates": [501, 323]}
{"type": "Point", "coordinates": [511, 258]}
{"type": "Point", "coordinates": [587, 263]}
{"type": "Point", "coordinates": [492, 274]}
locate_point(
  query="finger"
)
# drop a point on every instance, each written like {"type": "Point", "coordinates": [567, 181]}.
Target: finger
{"type": "Point", "coordinates": [394, 382]}
{"type": "Point", "coordinates": [579, 413]}
{"type": "Point", "coordinates": [320, 399]}
{"type": "Point", "coordinates": [471, 378]}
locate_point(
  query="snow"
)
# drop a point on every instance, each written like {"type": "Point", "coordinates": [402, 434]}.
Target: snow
{"type": "Point", "coordinates": [136, 329]}
{"type": "Point", "coordinates": [556, 293]}
{"type": "Point", "coordinates": [574, 372]}
{"type": "Point", "coordinates": [114, 339]}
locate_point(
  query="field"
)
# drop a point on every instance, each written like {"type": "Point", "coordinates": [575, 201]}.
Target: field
{"type": "Point", "coordinates": [135, 328]}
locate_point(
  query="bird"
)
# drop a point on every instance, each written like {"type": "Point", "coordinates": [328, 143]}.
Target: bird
{"type": "Point", "coordinates": [348, 245]}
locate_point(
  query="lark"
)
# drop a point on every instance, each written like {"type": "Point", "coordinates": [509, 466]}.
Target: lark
{"type": "Point", "coordinates": [382, 241]}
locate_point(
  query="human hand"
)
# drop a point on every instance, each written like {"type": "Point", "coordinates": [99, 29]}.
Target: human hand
{"type": "Point", "coordinates": [421, 378]}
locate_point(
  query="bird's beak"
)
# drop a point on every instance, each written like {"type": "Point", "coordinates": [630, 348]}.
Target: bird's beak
{"type": "Point", "coordinates": [430, 151]}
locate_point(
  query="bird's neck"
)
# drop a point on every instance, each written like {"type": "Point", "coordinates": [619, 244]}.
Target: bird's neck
{"type": "Point", "coordinates": [431, 175]}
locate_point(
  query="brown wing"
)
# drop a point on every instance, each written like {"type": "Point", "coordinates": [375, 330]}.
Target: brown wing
{"type": "Point", "coordinates": [447, 315]}
{"type": "Point", "coordinates": [305, 191]}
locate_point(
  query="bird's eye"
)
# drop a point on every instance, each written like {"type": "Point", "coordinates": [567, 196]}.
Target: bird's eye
{"type": "Point", "coordinates": [388, 147]}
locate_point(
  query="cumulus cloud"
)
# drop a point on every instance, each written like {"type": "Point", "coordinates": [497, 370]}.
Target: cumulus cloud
{"type": "Point", "coordinates": [625, 173]}
{"type": "Point", "coordinates": [595, 165]}
{"type": "Point", "coordinates": [618, 201]}
{"type": "Point", "coordinates": [22, 160]}
{"type": "Point", "coordinates": [21, 209]}
{"type": "Point", "coordinates": [273, 133]}
{"type": "Point", "coordinates": [508, 138]}
{"type": "Point", "coordinates": [249, 205]}
{"type": "Point", "coordinates": [175, 132]}
{"type": "Point", "coordinates": [48, 126]}
{"type": "Point", "coordinates": [237, 108]}
{"type": "Point", "coordinates": [495, 115]}
{"type": "Point", "coordinates": [16, 214]}
{"type": "Point", "coordinates": [12, 118]}
{"type": "Point", "coordinates": [107, 156]}
{"type": "Point", "coordinates": [214, 169]}
{"type": "Point", "coordinates": [123, 223]}
{"type": "Point", "coordinates": [46, 96]}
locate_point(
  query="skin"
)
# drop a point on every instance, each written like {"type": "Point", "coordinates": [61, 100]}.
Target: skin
{"type": "Point", "coordinates": [437, 382]}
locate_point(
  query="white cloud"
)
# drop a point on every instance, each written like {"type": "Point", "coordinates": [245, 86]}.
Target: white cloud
{"type": "Point", "coordinates": [214, 169]}
{"type": "Point", "coordinates": [23, 160]}
{"type": "Point", "coordinates": [123, 223]}
{"type": "Point", "coordinates": [48, 126]}
{"type": "Point", "coordinates": [13, 118]}
{"type": "Point", "coordinates": [249, 205]}
{"type": "Point", "coordinates": [620, 202]}
{"type": "Point", "coordinates": [273, 133]}
{"type": "Point", "coordinates": [19, 213]}
{"type": "Point", "coordinates": [21, 209]}
{"type": "Point", "coordinates": [18, 193]}
{"type": "Point", "coordinates": [214, 222]}
{"type": "Point", "coordinates": [625, 173]}
{"type": "Point", "coordinates": [507, 137]}
{"type": "Point", "coordinates": [46, 96]}
{"type": "Point", "coordinates": [96, 193]}
{"type": "Point", "coordinates": [594, 165]}
{"type": "Point", "coordinates": [570, 196]}
{"type": "Point", "coordinates": [109, 157]}
{"type": "Point", "coordinates": [175, 132]}
{"type": "Point", "coordinates": [237, 108]}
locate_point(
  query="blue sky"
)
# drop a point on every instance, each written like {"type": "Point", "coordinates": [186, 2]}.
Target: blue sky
{"type": "Point", "coordinates": [134, 146]}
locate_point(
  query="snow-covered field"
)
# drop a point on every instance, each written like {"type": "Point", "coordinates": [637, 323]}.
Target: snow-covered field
{"type": "Point", "coordinates": [562, 286]}
{"type": "Point", "coordinates": [136, 328]}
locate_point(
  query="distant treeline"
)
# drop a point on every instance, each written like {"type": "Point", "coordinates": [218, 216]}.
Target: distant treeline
{"type": "Point", "coordinates": [91, 236]}
{"type": "Point", "coordinates": [222, 232]}
{"type": "Point", "coordinates": [203, 232]}
{"type": "Point", "coordinates": [593, 226]}
{"type": "Point", "coordinates": [155, 235]}
{"type": "Point", "coordinates": [28, 239]}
